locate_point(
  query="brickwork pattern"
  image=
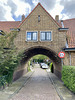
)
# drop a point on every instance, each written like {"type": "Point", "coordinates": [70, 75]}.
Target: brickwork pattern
{"type": "Point", "coordinates": [46, 24]}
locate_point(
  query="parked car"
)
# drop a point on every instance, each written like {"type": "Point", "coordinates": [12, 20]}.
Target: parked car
{"type": "Point", "coordinates": [43, 65]}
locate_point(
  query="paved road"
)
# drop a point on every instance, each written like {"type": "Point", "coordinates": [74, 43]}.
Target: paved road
{"type": "Point", "coordinates": [38, 87]}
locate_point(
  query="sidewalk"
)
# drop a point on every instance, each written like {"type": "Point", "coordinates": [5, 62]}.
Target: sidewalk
{"type": "Point", "coordinates": [62, 91]}
{"type": "Point", "coordinates": [14, 87]}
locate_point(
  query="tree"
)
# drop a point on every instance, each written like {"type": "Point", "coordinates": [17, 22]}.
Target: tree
{"type": "Point", "coordinates": [40, 58]}
{"type": "Point", "coordinates": [9, 59]}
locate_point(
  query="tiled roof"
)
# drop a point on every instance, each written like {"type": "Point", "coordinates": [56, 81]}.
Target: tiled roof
{"type": "Point", "coordinates": [7, 25]}
{"type": "Point", "coordinates": [70, 23]}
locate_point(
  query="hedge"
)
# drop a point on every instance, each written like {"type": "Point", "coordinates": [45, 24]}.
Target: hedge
{"type": "Point", "coordinates": [29, 66]}
{"type": "Point", "coordinates": [68, 77]}
{"type": "Point", "coordinates": [51, 66]}
{"type": "Point", "coordinates": [3, 81]}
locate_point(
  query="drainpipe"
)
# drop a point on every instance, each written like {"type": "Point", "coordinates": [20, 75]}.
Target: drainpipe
{"type": "Point", "coordinates": [70, 57]}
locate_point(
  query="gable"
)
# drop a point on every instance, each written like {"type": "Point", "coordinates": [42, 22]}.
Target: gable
{"type": "Point", "coordinates": [44, 16]}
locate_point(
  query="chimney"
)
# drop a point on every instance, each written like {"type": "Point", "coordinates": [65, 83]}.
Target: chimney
{"type": "Point", "coordinates": [23, 17]}
{"type": "Point", "coordinates": [57, 18]}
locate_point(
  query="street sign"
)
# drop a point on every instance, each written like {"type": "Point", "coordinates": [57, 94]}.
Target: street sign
{"type": "Point", "coordinates": [61, 54]}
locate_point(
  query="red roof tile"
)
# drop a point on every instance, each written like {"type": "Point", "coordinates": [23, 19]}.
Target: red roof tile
{"type": "Point", "coordinates": [7, 25]}
{"type": "Point", "coordinates": [70, 23]}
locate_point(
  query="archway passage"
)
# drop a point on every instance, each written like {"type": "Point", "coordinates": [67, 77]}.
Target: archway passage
{"type": "Point", "coordinates": [30, 52]}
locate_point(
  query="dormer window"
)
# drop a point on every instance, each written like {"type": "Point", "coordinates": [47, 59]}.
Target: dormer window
{"type": "Point", "coordinates": [14, 29]}
{"type": "Point", "coordinates": [1, 32]}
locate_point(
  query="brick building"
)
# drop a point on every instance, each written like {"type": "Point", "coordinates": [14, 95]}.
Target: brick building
{"type": "Point", "coordinates": [39, 33]}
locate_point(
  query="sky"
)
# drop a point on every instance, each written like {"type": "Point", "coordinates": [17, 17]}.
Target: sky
{"type": "Point", "coordinates": [12, 10]}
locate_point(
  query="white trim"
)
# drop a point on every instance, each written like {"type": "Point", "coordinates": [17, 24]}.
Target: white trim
{"type": "Point", "coordinates": [31, 40]}
{"type": "Point", "coordinates": [46, 40]}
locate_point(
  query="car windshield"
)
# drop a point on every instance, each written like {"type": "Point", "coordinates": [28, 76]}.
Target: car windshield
{"type": "Point", "coordinates": [42, 63]}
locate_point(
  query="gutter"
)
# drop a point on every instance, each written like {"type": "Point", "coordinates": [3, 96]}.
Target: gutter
{"type": "Point", "coordinates": [63, 29]}
{"type": "Point", "coordinates": [69, 49]}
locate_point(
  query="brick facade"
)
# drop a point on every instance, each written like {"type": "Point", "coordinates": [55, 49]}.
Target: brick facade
{"type": "Point", "coordinates": [47, 23]}
{"type": "Point", "coordinates": [49, 48]}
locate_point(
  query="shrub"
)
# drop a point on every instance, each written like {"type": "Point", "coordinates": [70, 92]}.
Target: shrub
{"type": "Point", "coordinates": [3, 81]}
{"type": "Point", "coordinates": [51, 64]}
{"type": "Point", "coordinates": [29, 66]}
{"type": "Point", "coordinates": [9, 58]}
{"type": "Point", "coordinates": [68, 77]}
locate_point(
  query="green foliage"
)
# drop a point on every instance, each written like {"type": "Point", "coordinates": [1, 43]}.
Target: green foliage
{"type": "Point", "coordinates": [39, 58]}
{"type": "Point", "coordinates": [3, 81]}
{"type": "Point", "coordinates": [29, 63]}
{"type": "Point", "coordinates": [9, 59]}
{"type": "Point", "coordinates": [68, 77]}
{"type": "Point", "coordinates": [28, 69]}
{"type": "Point", "coordinates": [29, 66]}
{"type": "Point", "coordinates": [51, 66]}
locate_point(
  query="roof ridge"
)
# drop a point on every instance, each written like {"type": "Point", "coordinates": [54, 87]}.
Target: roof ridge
{"type": "Point", "coordinates": [46, 12]}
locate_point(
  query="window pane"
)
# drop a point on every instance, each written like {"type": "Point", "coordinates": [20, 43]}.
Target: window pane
{"type": "Point", "coordinates": [42, 35]}
{"type": "Point", "coordinates": [31, 36]}
{"type": "Point", "coordinates": [45, 36]}
{"type": "Point", "coordinates": [48, 35]}
{"type": "Point", "coordinates": [28, 35]}
{"type": "Point", "coordinates": [34, 36]}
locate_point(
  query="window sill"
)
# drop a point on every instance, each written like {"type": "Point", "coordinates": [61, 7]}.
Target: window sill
{"type": "Point", "coordinates": [31, 41]}
{"type": "Point", "coordinates": [46, 40]}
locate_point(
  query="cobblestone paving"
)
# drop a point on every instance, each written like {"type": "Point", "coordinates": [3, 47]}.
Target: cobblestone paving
{"type": "Point", "coordinates": [39, 87]}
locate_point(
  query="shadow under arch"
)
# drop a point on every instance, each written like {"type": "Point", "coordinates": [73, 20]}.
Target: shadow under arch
{"type": "Point", "coordinates": [32, 51]}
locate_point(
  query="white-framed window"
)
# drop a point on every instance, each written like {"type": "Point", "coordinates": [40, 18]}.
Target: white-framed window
{"type": "Point", "coordinates": [31, 36]}
{"type": "Point", "coordinates": [46, 36]}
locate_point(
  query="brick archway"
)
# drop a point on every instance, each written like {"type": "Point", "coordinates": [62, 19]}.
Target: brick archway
{"type": "Point", "coordinates": [35, 50]}
{"type": "Point", "coordinates": [32, 51]}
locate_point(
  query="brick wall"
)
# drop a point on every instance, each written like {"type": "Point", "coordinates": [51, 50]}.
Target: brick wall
{"type": "Point", "coordinates": [20, 71]}
{"type": "Point", "coordinates": [46, 24]}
